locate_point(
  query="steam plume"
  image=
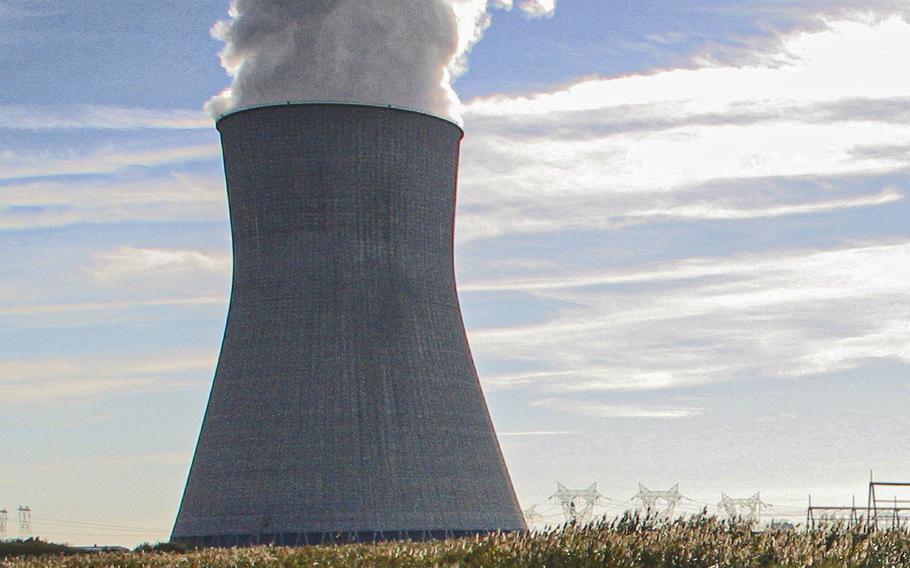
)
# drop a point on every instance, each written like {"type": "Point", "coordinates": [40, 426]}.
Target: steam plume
{"type": "Point", "coordinates": [401, 52]}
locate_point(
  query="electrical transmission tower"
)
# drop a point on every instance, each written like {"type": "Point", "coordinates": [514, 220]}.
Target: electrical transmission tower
{"type": "Point", "coordinates": [532, 517]}
{"type": "Point", "coordinates": [887, 512]}
{"type": "Point", "coordinates": [658, 503]}
{"type": "Point", "coordinates": [25, 522]}
{"type": "Point", "coordinates": [3, 516]}
{"type": "Point", "coordinates": [577, 504]}
{"type": "Point", "coordinates": [747, 510]}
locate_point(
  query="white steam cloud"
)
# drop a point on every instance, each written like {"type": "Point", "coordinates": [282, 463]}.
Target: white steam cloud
{"type": "Point", "coordinates": [533, 8]}
{"type": "Point", "coordinates": [404, 53]}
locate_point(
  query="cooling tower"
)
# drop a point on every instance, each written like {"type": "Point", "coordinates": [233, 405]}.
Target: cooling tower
{"type": "Point", "coordinates": [345, 405]}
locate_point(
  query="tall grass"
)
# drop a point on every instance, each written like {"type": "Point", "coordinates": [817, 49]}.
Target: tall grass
{"type": "Point", "coordinates": [629, 541]}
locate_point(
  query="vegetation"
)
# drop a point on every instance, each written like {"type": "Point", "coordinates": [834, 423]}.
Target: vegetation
{"type": "Point", "coordinates": [162, 547]}
{"type": "Point", "coordinates": [31, 547]}
{"type": "Point", "coordinates": [630, 541]}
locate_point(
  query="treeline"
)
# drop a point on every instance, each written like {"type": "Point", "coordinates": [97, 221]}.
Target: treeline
{"type": "Point", "coordinates": [32, 547]}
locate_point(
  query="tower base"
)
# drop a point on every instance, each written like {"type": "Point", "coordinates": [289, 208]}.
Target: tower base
{"type": "Point", "coordinates": [315, 538]}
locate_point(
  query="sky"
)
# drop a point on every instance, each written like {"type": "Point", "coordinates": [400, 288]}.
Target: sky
{"type": "Point", "coordinates": [682, 251]}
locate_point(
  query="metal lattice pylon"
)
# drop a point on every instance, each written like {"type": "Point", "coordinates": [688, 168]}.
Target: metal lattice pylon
{"type": "Point", "coordinates": [4, 514]}
{"type": "Point", "coordinates": [747, 510]}
{"type": "Point", "coordinates": [532, 517]}
{"type": "Point", "coordinates": [577, 504]}
{"type": "Point", "coordinates": [658, 503]}
{"type": "Point", "coordinates": [25, 522]}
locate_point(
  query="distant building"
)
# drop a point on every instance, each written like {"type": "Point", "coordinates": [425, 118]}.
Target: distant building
{"type": "Point", "coordinates": [780, 525]}
{"type": "Point", "coordinates": [95, 549]}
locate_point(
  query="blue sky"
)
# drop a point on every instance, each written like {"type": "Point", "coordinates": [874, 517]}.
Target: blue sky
{"type": "Point", "coordinates": [682, 251]}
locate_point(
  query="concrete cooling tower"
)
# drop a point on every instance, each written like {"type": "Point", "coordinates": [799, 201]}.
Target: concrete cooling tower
{"type": "Point", "coordinates": [345, 405]}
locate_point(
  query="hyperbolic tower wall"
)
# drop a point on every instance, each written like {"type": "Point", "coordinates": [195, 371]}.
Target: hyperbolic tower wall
{"type": "Point", "coordinates": [345, 405]}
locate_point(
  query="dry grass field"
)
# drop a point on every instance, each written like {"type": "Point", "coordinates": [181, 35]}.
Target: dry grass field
{"type": "Point", "coordinates": [626, 542]}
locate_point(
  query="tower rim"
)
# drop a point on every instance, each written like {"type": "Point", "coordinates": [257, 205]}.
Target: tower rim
{"type": "Point", "coordinates": [335, 103]}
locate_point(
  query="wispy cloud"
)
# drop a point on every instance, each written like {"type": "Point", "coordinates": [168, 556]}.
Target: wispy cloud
{"type": "Point", "coordinates": [49, 380]}
{"type": "Point", "coordinates": [118, 305]}
{"type": "Point", "coordinates": [161, 198]}
{"type": "Point", "coordinates": [719, 211]}
{"type": "Point", "coordinates": [29, 9]}
{"type": "Point", "coordinates": [603, 378]}
{"type": "Point", "coordinates": [733, 202]}
{"type": "Point", "coordinates": [600, 410]}
{"type": "Point", "coordinates": [16, 165]}
{"type": "Point", "coordinates": [67, 117]}
{"type": "Point", "coordinates": [126, 261]}
{"type": "Point", "coordinates": [125, 284]}
{"type": "Point", "coordinates": [810, 12]}
{"type": "Point", "coordinates": [870, 262]}
{"type": "Point", "coordinates": [532, 434]}
{"type": "Point", "coordinates": [175, 458]}
{"type": "Point", "coordinates": [532, 8]}
{"type": "Point", "coordinates": [697, 321]}
{"type": "Point", "coordinates": [825, 103]}
{"type": "Point", "coordinates": [805, 73]}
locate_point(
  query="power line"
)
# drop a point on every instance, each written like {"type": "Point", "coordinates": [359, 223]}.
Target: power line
{"type": "Point", "coordinates": [101, 534]}
{"type": "Point", "coordinates": [87, 524]}
{"type": "Point", "coordinates": [573, 505]}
